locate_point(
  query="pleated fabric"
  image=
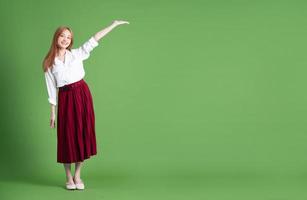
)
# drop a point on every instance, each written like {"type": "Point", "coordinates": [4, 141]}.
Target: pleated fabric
{"type": "Point", "coordinates": [76, 137]}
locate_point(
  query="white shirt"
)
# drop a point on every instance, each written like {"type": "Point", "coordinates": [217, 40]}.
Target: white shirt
{"type": "Point", "coordinates": [69, 71]}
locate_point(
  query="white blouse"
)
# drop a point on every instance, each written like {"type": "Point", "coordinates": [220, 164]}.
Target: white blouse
{"type": "Point", "coordinates": [69, 71]}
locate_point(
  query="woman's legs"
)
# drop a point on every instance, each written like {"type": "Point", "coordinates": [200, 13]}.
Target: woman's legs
{"type": "Point", "coordinates": [77, 176]}
{"type": "Point", "coordinates": [67, 167]}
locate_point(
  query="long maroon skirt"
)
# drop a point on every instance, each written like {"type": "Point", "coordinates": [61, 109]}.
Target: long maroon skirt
{"type": "Point", "coordinates": [76, 139]}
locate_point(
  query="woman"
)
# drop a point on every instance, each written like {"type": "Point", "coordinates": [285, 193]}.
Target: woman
{"type": "Point", "coordinates": [64, 73]}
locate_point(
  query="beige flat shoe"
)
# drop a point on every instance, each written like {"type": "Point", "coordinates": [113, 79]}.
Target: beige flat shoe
{"type": "Point", "coordinates": [70, 186]}
{"type": "Point", "coordinates": [79, 185]}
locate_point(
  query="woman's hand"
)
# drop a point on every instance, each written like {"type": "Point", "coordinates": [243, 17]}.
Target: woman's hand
{"type": "Point", "coordinates": [119, 22]}
{"type": "Point", "coordinates": [52, 120]}
{"type": "Point", "coordinates": [105, 31]}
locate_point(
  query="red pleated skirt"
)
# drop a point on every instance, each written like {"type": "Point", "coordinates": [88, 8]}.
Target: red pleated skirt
{"type": "Point", "coordinates": [76, 139]}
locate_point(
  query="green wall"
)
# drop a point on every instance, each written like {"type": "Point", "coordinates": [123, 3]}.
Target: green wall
{"type": "Point", "coordinates": [192, 89]}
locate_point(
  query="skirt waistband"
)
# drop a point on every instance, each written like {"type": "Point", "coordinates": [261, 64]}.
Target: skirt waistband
{"type": "Point", "coordinates": [71, 85]}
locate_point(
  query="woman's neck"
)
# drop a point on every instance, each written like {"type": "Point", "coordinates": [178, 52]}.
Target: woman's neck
{"type": "Point", "coordinates": [61, 52]}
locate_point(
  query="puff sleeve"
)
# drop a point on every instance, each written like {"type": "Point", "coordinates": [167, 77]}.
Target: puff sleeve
{"type": "Point", "coordinates": [51, 87]}
{"type": "Point", "coordinates": [83, 52]}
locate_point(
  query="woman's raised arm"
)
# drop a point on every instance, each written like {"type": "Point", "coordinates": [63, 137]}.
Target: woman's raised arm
{"type": "Point", "coordinates": [106, 30]}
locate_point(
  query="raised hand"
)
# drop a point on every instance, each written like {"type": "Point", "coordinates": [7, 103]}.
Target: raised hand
{"type": "Point", "coordinates": [100, 34]}
{"type": "Point", "coordinates": [119, 22]}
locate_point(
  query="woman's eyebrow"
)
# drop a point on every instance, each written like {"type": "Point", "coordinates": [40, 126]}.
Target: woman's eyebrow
{"type": "Point", "coordinates": [66, 35]}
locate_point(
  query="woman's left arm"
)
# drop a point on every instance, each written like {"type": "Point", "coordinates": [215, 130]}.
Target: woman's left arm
{"type": "Point", "coordinates": [106, 30]}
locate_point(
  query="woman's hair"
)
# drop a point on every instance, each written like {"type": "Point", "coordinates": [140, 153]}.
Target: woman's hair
{"type": "Point", "coordinates": [49, 58]}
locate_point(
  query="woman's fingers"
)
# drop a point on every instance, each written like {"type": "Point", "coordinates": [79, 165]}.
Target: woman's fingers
{"type": "Point", "coordinates": [52, 123]}
{"type": "Point", "coordinates": [124, 22]}
{"type": "Point", "coordinates": [119, 22]}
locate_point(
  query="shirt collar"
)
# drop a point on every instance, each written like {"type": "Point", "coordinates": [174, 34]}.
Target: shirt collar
{"type": "Point", "coordinates": [67, 56]}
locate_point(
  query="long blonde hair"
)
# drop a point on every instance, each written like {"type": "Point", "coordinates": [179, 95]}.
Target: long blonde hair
{"type": "Point", "coordinates": [49, 58]}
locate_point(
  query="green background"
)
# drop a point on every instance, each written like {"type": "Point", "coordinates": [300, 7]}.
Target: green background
{"type": "Point", "coordinates": [193, 99]}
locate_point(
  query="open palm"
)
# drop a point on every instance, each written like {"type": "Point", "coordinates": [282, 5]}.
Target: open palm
{"type": "Point", "coordinates": [119, 22]}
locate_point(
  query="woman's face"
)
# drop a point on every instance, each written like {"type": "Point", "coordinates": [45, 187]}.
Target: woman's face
{"type": "Point", "coordinates": [64, 39]}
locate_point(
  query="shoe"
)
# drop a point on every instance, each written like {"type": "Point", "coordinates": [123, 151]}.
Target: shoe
{"type": "Point", "coordinates": [79, 185]}
{"type": "Point", "coordinates": [70, 186]}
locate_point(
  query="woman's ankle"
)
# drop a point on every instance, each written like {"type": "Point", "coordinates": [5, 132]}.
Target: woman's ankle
{"type": "Point", "coordinates": [77, 179]}
{"type": "Point", "coordinates": [69, 179]}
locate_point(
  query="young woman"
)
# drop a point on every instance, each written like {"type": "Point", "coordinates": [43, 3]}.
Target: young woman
{"type": "Point", "coordinates": [64, 73]}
